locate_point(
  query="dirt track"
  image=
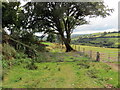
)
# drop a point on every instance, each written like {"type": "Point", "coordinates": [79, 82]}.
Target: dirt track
{"type": "Point", "coordinates": [114, 66]}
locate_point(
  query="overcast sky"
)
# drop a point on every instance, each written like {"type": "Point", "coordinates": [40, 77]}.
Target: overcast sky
{"type": "Point", "coordinates": [99, 24]}
{"type": "Point", "coordinates": [110, 23]}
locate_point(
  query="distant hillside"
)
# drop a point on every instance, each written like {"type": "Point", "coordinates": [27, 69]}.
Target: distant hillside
{"type": "Point", "coordinates": [76, 36]}
{"type": "Point", "coordinates": [105, 39]}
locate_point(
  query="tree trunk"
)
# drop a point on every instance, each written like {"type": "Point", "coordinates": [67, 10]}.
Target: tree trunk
{"type": "Point", "coordinates": [68, 47]}
{"type": "Point", "coordinates": [68, 38]}
{"type": "Point", "coordinates": [65, 40]}
{"type": "Point", "coordinates": [67, 44]}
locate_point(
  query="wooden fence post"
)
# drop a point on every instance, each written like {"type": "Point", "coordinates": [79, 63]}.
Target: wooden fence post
{"type": "Point", "coordinates": [84, 50]}
{"type": "Point", "coordinates": [108, 56]}
{"type": "Point", "coordinates": [98, 57]}
{"type": "Point", "coordinates": [90, 53]}
{"type": "Point", "coordinates": [62, 46]}
{"type": "Point", "coordinates": [79, 48]}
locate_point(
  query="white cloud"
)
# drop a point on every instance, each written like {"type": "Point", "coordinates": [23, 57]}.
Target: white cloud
{"type": "Point", "coordinates": [99, 24]}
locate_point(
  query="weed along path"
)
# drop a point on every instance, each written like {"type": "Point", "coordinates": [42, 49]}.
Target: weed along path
{"type": "Point", "coordinates": [67, 72]}
{"type": "Point", "coordinates": [61, 70]}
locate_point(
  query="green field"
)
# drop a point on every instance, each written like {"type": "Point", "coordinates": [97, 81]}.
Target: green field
{"type": "Point", "coordinates": [108, 39]}
{"type": "Point", "coordinates": [112, 34]}
{"type": "Point", "coordinates": [57, 69]}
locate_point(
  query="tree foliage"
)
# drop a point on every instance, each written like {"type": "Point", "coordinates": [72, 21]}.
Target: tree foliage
{"type": "Point", "coordinates": [13, 19]}
{"type": "Point", "coordinates": [59, 18]}
{"type": "Point", "coordinates": [62, 17]}
{"type": "Point", "coordinates": [11, 15]}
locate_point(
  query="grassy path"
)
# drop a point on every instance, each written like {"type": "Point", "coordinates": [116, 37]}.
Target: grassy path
{"type": "Point", "coordinates": [79, 74]}
{"type": "Point", "coordinates": [47, 76]}
{"type": "Point", "coordinates": [67, 72]}
{"type": "Point", "coordinates": [75, 71]}
{"type": "Point", "coordinates": [63, 76]}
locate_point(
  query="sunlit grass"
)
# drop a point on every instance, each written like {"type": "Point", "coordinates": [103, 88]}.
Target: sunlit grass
{"type": "Point", "coordinates": [47, 43]}
{"type": "Point", "coordinates": [79, 74]}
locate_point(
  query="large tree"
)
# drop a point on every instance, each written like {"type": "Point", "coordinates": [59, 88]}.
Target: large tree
{"type": "Point", "coordinates": [62, 17]}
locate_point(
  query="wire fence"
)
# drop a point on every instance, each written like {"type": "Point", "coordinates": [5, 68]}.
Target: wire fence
{"type": "Point", "coordinates": [95, 54]}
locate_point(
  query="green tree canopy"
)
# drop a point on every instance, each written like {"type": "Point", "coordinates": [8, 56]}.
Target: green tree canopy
{"type": "Point", "coordinates": [63, 17]}
{"type": "Point", "coordinates": [50, 17]}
